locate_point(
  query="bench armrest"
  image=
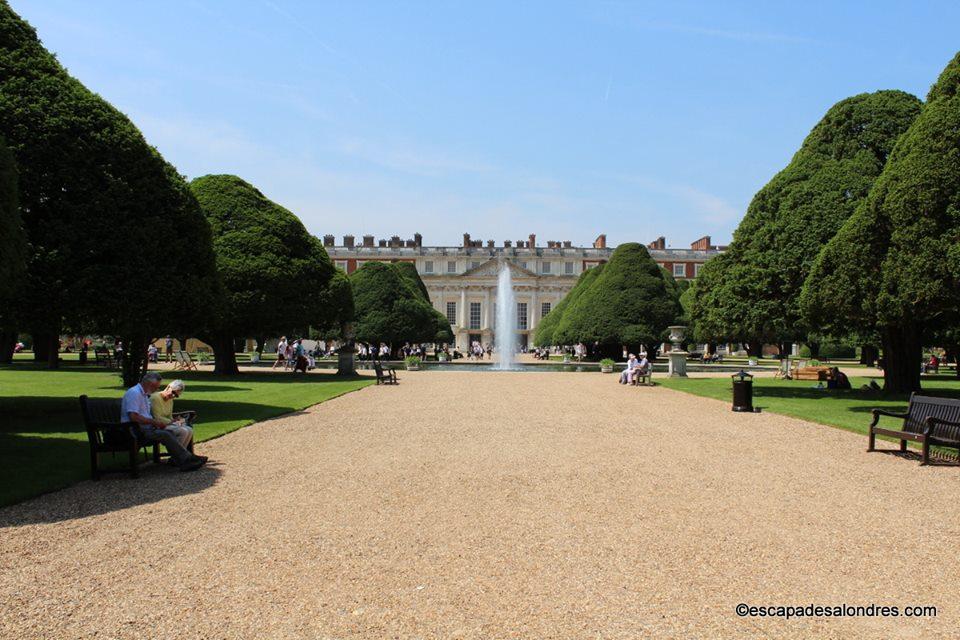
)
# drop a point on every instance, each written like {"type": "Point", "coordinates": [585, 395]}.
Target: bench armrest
{"type": "Point", "coordinates": [892, 414]}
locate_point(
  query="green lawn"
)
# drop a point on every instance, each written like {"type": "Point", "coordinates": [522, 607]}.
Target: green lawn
{"type": "Point", "coordinates": [848, 410]}
{"type": "Point", "coordinates": [43, 444]}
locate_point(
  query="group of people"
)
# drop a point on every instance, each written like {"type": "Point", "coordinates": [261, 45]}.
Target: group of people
{"type": "Point", "coordinates": [294, 355]}
{"type": "Point", "coordinates": [636, 367]}
{"type": "Point", "coordinates": [151, 410]}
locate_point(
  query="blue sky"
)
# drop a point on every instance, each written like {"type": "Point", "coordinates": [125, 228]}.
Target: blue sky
{"type": "Point", "coordinates": [499, 119]}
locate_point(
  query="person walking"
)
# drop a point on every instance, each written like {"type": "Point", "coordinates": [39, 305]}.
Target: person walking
{"type": "Point", "coordinates": [281, 353]}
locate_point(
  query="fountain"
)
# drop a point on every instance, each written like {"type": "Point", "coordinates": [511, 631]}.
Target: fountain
{"type": "Point", "coordinates": [505, 339]}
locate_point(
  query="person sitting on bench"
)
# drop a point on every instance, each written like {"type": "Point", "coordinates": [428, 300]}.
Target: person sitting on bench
{"type": "Point", "coordinates": [626, 376]}
{"type": "Point", "coordinates": [136, 408]}
{"type": "Point", "coordinates": [161, 408]}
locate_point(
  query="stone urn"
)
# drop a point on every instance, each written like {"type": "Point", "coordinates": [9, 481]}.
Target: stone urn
{"type": "Point", "coordinates": [606, 368]}
{"type": "Point", "coordinates": [677, 356]}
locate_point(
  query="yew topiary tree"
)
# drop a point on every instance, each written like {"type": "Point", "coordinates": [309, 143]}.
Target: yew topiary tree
{"type": "Point", "coordinates": [544, 336]}
{"type": "Point", "coordinates": [409, 270]}
{"type": "Point", "coordinates": [629, 303]}
{"type": "Point", "coordinates": [103, 214]}
{"type": "Point", "coordinates": [12, 251]}
{"type": "Point", "coordinates": [276, 277]}
{"type": "Point", "coordinates": [894, 266]}
{"type": "Point", "coordinates": [752, 295]}
{"type": "Point", "coordinates": [388, 307]}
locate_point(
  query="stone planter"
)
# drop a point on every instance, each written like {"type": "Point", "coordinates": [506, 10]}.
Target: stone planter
{"type": "Point", "coordinates": [606, 368]}
{"type": "Point", "coordinates": [413, 367]}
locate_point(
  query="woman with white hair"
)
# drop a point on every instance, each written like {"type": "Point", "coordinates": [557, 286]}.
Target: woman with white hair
{"type": "Point", "coordinates": [179, 424]}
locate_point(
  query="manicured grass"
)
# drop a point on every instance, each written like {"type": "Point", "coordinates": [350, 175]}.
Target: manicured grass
{"type": "Point", "coordinates": [43, 444]}
{"type": "Point", "coordinates": [848, 409]}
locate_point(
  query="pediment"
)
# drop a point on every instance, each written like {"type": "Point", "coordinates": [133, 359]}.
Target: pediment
{"type": "Point", "coordinates": [492, 268]}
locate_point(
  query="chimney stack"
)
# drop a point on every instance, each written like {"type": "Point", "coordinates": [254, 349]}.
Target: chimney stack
{"type": "Point", "coordinates": [490, 244]}
{"type": "Point", "coordinates": [703, 244]}
{"type": "Point", "coordinates": [507, 243]}
{"type": "Point", "coordinates": [600, 242]}
{"type": "Point", "coordinates": [328, 240]}
{"type": "Point", "coordinates": [659, 243]}
{"type": "Point", "coordinates": [368, 241]}
{"type": "Point", "coordinates": [381, 243]}
{"type": "Point", "coordinates": [567, 244]}
{"type": "Point", "coordinates": [466, 241]}
{"type": "Point", "coordinates": [417, 240]}
{"type": "Point", "coordinates": [533, 240]}
{"type": "Point", "coordinates": [395, 241]}
{"type": "Point", "coordinates": [348, 242]}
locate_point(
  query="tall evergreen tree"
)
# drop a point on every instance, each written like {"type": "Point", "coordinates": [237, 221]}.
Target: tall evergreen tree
{"type": "Point", "coordinates": [752, 294]}
{"type": "Point", "coordinates": [276, 277]}
{"type": "Point", "coordinates": [104, 215]}
{"type": "Point", "coordinates": [894, 266]}
{"type": "Point", "coordinates": [409, 270]}
{"type": "Point", "coordinates": [544, 335]}
{"type": "Point", "coordinates": [12, 252]}
{"type": "Point", "coordinates": [389, 308]}
{"type": "Point", "coordinates": [629, 303]}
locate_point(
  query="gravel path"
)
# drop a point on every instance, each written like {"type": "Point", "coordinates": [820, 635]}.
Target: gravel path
{"type": "Point", "coordinates": [477, 505]}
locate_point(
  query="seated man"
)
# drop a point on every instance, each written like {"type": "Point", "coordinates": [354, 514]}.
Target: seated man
{"type": "Point", "coordinates": [179, 424]}
{"type": "Point", "coordinates": [136, 408]}
{"type": "Point", "coordinates": [642, 368]}
{"type": "Point", "coordinates": [626, 376]}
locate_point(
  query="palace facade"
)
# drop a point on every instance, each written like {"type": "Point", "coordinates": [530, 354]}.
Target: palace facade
{"type": "Point", "coordinates": [462, 281]}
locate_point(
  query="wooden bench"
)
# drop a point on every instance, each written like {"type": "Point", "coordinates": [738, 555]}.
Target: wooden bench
{"type": "Point", "coordinates": [812, 373]}
{"type": "Point", "coordinates": [643, 377]}
{"type": "Point", "coordinates": [388, 377]}
{"type": "Point", "coordinates": [103, 357]}
{"type": "Point", "coordinates": [928, 420]}
{"type": "Point", "coordinates": [107, 434]}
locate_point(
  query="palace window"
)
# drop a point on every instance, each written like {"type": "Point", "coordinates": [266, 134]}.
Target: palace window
{"type": "Point", "coordinates": [568, 268]}
{"type": "Point", "coordinates": [428, 266]}
{"type": "Point", "coordinates": [545, 267]}
{"type": "Point", "coordinates": [679, 269]}
{"type": "Point", "coordinates": [474, 264]}
{"type": "Point", "coordinates": [544, 309]}
{"type": "Point", "coordinates": [523, 265]}
{"type": "Point", "coordinates": [452, 312]}
{"type": "Point", "coordinates": [451, 266]}
{"type": "Point", "coordinates": [341, 264]}
{"type": "Point", "coordinates": [521, 315]}
{"type": "Point", "coordinates": [696, 269]}
{"type": "Point", "coordinates": [474, 315]}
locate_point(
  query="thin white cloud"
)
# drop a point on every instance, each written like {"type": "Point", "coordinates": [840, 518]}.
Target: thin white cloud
{"type": "Point", "coordinates": [409, 158]}
{"type": "Point", "coordinates": [726, 34]}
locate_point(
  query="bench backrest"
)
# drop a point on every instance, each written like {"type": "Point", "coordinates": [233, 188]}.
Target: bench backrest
{"type": "Point", "coordinates": [923, 407]}
{"type": "Point", "coordinates": [102, 415]}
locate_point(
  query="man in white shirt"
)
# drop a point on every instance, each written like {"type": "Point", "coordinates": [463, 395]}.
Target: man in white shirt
{"type": "Point", "coordinates": [626, 376]}
{"type": "Point", "coordinates": [136, 408]}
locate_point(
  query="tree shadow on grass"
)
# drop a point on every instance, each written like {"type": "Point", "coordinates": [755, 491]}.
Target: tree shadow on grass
{"type": "Point", "coordinates": [44, 447]}
{"type": "Point", "coordinates": [46, 464]}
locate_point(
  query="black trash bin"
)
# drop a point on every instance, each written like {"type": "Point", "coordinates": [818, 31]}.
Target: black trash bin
{"type": "Point", "coordinates": [742, 391]}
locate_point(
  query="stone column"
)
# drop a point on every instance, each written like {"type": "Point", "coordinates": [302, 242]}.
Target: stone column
{"type": "Point", "coordinates": [533, 314]}
{"type": "Point", "coordinates": [486, 308]}
{"type": "Point", "coordinates": [463, 307]}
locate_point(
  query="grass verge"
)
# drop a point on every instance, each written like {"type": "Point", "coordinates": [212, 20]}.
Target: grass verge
{"type": "Point", "coordinates": [43, 444]}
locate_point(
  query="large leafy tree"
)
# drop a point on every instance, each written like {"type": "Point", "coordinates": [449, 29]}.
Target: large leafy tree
{"type": "Point", "coordinates": [752, 294]}
{"type": "Point", "coordinates": [12, 250]}
{"type": "Point", "coordinates": [276, 277]}
{"type": "Point", "coordinates": [894, 266]}
{"type": "Point", "coordinates": [409, 271]}
{"type": "Point", "coordinates": [388, 307]}
{"type": "Point", "coordinates": [104, 215]}
{"type": "Point", "coordinates": [544, 336]}
{"type": "Point", "coordinates": [629, 303]}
